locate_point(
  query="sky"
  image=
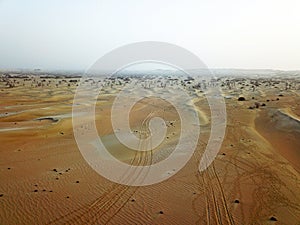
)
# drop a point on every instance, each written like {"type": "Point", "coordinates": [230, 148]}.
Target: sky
{"type": "Point", "coordinates": [73, 34]}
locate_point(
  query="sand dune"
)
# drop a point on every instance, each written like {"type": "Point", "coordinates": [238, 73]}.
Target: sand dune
{"type": "Point", "coordinates": [282, 130]}
{"type": "Point", "coordinates": [45, 180]}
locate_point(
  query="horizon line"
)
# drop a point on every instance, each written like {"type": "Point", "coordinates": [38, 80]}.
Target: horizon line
{"type": "Point", "coordinates": [83, 70]}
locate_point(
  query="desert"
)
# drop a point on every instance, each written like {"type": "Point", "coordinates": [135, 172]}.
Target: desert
{"type": "Point", "coordinates": [255, 178]}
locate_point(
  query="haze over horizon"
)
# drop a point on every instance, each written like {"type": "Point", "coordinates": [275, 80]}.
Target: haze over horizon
{"type": "Point", "coordinates": [72, 35]}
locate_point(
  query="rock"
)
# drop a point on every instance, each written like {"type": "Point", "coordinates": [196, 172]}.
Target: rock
{"type": "Point", "coordinates": [272, 218]}
{"type": "Point", "coordinates": [241, 99]}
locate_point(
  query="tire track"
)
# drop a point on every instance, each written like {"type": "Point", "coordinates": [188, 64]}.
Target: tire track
{"type": "Point", "coordinates": [212, 196]}
{"type": "Point", "coordinates": [111, 197]}
{"type": "Point", "coordinates": [228, 215]}
{"type": "Point", "coordinates": [146, 161]}
{"type": "Point", "coordinates": [141, 162]}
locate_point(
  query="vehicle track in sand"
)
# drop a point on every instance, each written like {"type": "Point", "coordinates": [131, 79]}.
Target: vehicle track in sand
{"type": "Point", "coordinates": [216, 206]}
{"type": "Point", "coordinates": [103, 209]}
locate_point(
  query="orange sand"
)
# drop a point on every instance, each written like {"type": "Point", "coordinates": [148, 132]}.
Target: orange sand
{"type": "Point", "coordinates": [45, 180]}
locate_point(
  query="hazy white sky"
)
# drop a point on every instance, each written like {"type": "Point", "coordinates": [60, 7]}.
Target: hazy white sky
{"type": "Point", "coordinates": [70, 34]}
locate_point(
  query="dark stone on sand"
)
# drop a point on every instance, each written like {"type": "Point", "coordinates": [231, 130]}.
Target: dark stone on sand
{"type": "Point", "coordinates": [241, 99]}
{"type": "Point", "coordinates": [277, 99]}
{"type": "Point", "coordinates": [263, 104]}
{"type": "Point", "coordinates": [44, 189]}
{"type": "Point", "coordinates": [272, 218]}
{"type": "Point", "coordinates": [77, 181]}
{"type": "Point", "coordinates": [223, 154]}
{"type": "Point", "coordinates": [161, 212]}
{"type": "Point", "coordinates": [48, 118]}
{"type": "Point", "coordinates": [35, 190]}
{"type": "Point", "coordinates": [68, 197]}
{"type": "Point", "coordinates": [55, 170]}
{"type": "Point", "coordinates": [236, 201]}
{"type": "Point", "coordinates": [1, 195]}
{"type": "Point", "coordinates": [133, 200]}
{"type": "Point", "coordinates": [280, 95]}
{"type": "Point", "coordinates": [50, 191]}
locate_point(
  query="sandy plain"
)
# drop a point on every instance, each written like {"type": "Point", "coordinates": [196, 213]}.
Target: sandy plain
{"type": "Point", "coordinates": [255, 178]}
